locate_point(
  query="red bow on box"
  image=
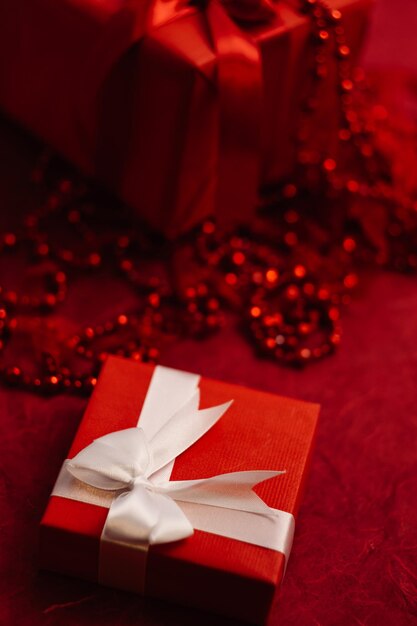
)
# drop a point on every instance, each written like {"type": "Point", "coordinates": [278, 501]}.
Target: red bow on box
{"type": "Point", "coordinates": [237, 77]}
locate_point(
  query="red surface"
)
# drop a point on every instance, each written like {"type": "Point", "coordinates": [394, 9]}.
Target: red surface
{"type": "Point", "coordinates": [354, 555]}
{"type": "Point", "coordinates": [354, 558]}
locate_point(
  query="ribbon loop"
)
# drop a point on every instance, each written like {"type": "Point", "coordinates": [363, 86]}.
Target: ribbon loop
{"type": "Point", "coordinates": [175, 437]}
{"type": "Point", "coordinates": [114, 461]}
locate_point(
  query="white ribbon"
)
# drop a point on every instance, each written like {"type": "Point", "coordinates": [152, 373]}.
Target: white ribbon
{"type": "Point", "coordinates": [128, 472]}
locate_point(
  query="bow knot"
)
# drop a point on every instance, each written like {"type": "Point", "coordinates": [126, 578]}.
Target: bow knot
{"type": "Point", "coordinates": [140, 481]}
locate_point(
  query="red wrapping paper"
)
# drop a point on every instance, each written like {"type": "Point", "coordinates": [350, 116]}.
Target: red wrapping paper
{"type": "Point", "coordinates": [259, 431]}
{"type": "Point", "coordinates": [142, 114]}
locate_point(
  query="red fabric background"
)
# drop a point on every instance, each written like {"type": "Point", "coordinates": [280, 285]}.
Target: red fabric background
{"type": "Point", "coordinates": [354, 558]}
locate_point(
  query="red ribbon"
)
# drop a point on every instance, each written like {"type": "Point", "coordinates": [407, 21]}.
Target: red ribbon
{"type": "Point", "coordinates": [238, 79]}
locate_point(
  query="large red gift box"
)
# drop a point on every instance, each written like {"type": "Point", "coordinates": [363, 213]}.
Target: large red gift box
{"type": "Point", "coordinates": [260, 431]}
{"type": "Point", "coordinates": [183, 110]}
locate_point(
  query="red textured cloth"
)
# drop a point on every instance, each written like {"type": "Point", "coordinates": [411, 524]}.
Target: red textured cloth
{"type": "Point", "coordinates": [354, 556]}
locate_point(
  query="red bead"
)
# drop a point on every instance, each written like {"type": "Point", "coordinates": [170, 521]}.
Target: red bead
{"type": "Point", "coordinates": [9, 240]}
{"type": "Point", "coordinates": [42, 249]}
{"type": "Point", "coordinates": [329, 165]}
{"type": "Point", "coordinates": [271, 276]}
{"type": "Point", "coordinates": [300, 271]}
{"type": "Point", "coordinates": [255, 311]}
{"type": "Point", "coordinates": [94, 259]}
{"type": "Point", "coordinates": [13, 375]}
{"type": "Point", "coordinates": [343, 51]}
{"type": "Point", "coordinates": [292, 292]}
{"type": "Point", "coordinates": [74, 216]}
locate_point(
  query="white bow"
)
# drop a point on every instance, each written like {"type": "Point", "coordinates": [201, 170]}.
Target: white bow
{"type": "Point", "coordinates": [131, 464]}
{"type": "Point", "coordinates": [128, 472]}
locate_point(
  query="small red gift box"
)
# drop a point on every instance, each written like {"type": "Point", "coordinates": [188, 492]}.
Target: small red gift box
{"type": "Point", "coordinates": [209, 570]}
{"type": "Point", "coordinates": [183, 110]}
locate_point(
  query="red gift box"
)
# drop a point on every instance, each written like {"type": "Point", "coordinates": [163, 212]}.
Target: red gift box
{"type": "Point", "coordinates": [182, 111]}
{"type": "Point", "coordinates": [259, 431]}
